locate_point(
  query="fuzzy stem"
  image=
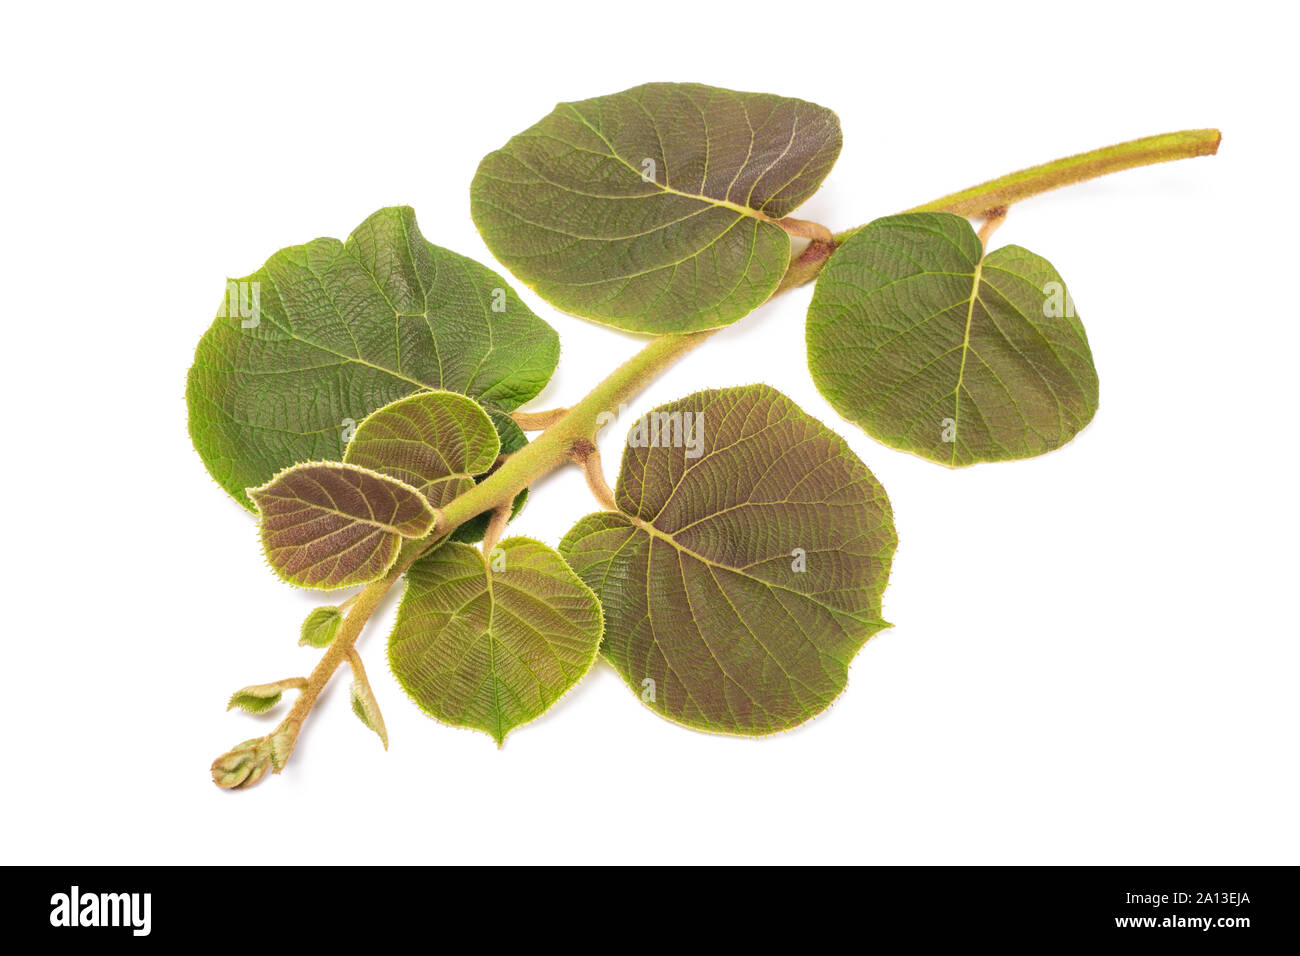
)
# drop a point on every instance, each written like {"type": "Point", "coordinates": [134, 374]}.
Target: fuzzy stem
{"type": "Point", "coordinates": [977, 201]}
{"type": "Point", "coordinates": [342, 647]}
{"type": "Point", "coordinates": [553, 447]}
{"type": "Point", "coordinates": [996, 217]}
{"type": "Point", "coordinates": [496, 527]}
{"type": "Point", "coordinates": [538, 421]}
{"type": "Point", "coordinates": [1079, 168]}
{"type": "Point", "coordinates": [588, 457]}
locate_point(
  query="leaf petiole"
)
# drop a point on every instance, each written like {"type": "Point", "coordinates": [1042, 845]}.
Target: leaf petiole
{"type": "Point", "coordinates": [995, 218]}
{"type": "Point", "coordinates": [588, 457]}
{"type": "Point", "coordinates": [496, 527]}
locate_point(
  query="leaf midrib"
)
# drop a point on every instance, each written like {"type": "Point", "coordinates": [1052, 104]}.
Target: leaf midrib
{"type": "Point", "coordinates": [965, 350]}
{"type": "Point", "coordinates": [655, 532]}
{"type": "Point", "coordinates": [372, 522]}
{"type": "Point", "coordinates": [663, 187]}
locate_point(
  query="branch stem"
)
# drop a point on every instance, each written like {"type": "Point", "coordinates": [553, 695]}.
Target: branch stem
{"type": "Point", "coordinates": [538, 421]}
{"type": "Point", "coordinates": [1079, 168]}
{"type": "Point", "coordinates": [568, 435]}
{"type": "Point", "coordinates": [977, 201]}
{"type": "Point", "coordinates": [342, 648]}
{"type": "Point", "coordinates": [554, 447]}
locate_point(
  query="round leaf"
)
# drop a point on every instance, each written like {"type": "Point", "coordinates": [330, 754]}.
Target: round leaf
{"type": "Point", "coordinates": [654, 209]}
{"type": "Point", "coordinates": [441, 443]}
{"type": "Point", "coordinates": [436, 442]}
{"type": "Point", "coordinates": [491, 643]}
{"type": "Point", "coordinates": [320, 627]}
{"type": "Point", "coordinates": [330, 525]}
{"type": "Point", "coordinates": [935, 348]}
{"type": "Point", "coordinates": [326, 333]}
{"type": "Point", "coordinates": [745, 565]}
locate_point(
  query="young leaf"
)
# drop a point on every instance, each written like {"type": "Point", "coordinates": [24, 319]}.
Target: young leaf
{"type": "Point", "coordinates": [492, 643]}
{"type": "Point", "coordinates": [440, 443]}
{"type": "Point", "coordinates": [435, 442]}
{"type": "Point", "coordinates": [654, 209]}
{"type": "Point", "coordinates": [257, 699]}
{"type": "Point", "coordinates": [243, 765]}
{"type": "Point", "coordinates": [331, 525]}
{"type": "Point", "coordinates": [326, 333]}
{"type": "Point", "coordinates": [366, 708]}
{"type": "Point", "coordinates": [246, 764]}
{"type": "Point", "coordinates": [745, 565]}
{"type": "Point", "coordinates": [935, 348]}
{"type": "Point", "coordinates": [320, 626]}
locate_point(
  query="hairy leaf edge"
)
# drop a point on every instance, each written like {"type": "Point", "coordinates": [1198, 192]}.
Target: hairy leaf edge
{"type": "Point", "coordinates": [600, 617]}
{"type": "Point", "coordinates": [434, 512]}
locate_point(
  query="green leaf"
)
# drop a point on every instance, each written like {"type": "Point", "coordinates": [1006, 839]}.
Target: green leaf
{"type": "Point", "coordinates": [440, 443]}
{"type": "Point", "coordinates": [435, 442]}
{"type": "Point", "coordinates": [320, 627]}
{"type": "Point", "coordinates": [327, 332]}
{"type": "Point", "coordinates": [257, 699]}
{"type": "Point", "coordinates": [329, 525]}
{"type": "Point", "coordinates": [366, 708]}
{"type": "Point", "coordinates": [654, 209]}
{"type": "Point", "coordinates": [493, 644]}
{"type": "Point", "coordinates": [932, 347]}
{"type": "Point", "coordinates": [745, 565]}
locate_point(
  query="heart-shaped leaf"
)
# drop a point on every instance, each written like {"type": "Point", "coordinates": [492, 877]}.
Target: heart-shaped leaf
{"type": "Point", "coordinates": [654, 209]}
{"type": "Point", "coordinates": [746, 563]}
{"type": "Point", "coordinates": [935, 348]}
{"type": "Point", "coordinates": [331, 525]}
{"type": "Point", "coordinates": [491, 643]}
{"type": "Point", "coordinates": [326, 333]}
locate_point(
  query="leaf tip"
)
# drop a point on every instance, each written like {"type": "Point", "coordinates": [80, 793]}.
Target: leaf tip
{"type": "Point", "coordinates": [254, 494]}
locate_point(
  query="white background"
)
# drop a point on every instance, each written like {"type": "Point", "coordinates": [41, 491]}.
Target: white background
{"type": "Point", "coordinates": [1094, 657]}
